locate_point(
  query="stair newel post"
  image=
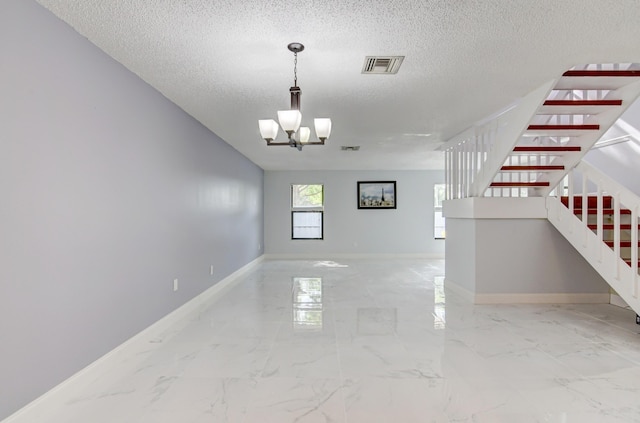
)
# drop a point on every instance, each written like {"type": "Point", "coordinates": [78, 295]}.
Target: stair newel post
{"type": "Point", "coordinates": [483, 158]}
{"type": "Point", "coordinates": [599, 221]}
{"type": "Point", "coordinates": [460, 173]}
{"type": "Point", "coordinates": [455, 169]}
{"type": "Point", "coordinates": [465, 170]}
{"type": "Point", "coordinates": [469, 166]}
{"type": "Point", "coordinates": [454, 172]}
{"type": "Point", "coordinates": [461, 170]}
{"type": "Point", "coordinates": [471, 162]}
{"type": "Point", "coordinates": [634, 249]}
{"type": "Point", "coordinates": [570, 199]}
{"type": "Point", "coordinates": [446, 175]}
{"type": "Point", "coordinates": [450, 195]}
{"type": "Point", "coordinates": [616, 234]}
{"type": "Point", "coordinates": [463, 174]}
{"type": "Point", "coordinates": [585, 204]}
{"type": "Point", "coordinates": [474, 159]}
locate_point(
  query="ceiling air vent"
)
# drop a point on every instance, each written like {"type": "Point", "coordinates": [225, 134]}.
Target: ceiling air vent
{"type": "Point", "coordinates": [350, 148]}
{"type": "Point", "coordinates": [382, 64]}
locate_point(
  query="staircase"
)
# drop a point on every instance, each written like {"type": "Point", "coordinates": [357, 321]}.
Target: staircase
{"type": "Point", "coordinates": [534, 148]}
{"type": "Point", "coordinates": [581, 106]}
{"type": "Point", "coordinates": [528, 149]}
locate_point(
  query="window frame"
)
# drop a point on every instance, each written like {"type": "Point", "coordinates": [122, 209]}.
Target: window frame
{"type": "Point", "coordinates": [319, 209]}
{"type": "Point", "coordinates": [320, 212]}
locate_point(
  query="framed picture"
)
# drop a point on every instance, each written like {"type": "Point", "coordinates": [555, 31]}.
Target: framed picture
{"type": "Point", "coordinates": [377, 194]}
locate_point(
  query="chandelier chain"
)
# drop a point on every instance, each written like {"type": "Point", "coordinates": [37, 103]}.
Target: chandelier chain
{"type": "Point", "coordinates": [295, 69]}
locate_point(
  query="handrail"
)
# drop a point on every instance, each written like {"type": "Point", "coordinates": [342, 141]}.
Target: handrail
{"type": "Point", "coordinates": [605, 255]}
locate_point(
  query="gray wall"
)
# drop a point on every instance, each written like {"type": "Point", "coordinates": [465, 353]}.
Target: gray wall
{"type": "Point", "coordinates": [108, 192]}
{"type": "Point", "coordinates": [524, 256]}
{"type": "Point", "coordinates": [347, 229]}
{"type": "Point", "coordinates": [516, 256]}
{"type": "Point", "coordinates": [460, 263]}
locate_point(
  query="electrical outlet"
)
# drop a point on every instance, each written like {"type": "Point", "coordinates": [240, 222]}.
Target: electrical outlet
{"type": "Point", "coordinates": [259, 247]}
{"type": "Point", "coordinates": [175, 285]}
{"type": "Point", "coordinates": [211, 270]}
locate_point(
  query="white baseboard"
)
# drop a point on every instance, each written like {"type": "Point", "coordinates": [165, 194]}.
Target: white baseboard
{"type": "Point", "coordinates": [560, 298]}
{"type": "Point", "coordinates": [345, 256]}
{"type": "Point", "coordinates": [36, 410]}
{"type": "Point", "coordinates": [513, 298]}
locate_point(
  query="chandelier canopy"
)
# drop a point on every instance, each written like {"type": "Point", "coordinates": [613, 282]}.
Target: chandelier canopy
{"type": "Point", "coordinates": [290, 120]}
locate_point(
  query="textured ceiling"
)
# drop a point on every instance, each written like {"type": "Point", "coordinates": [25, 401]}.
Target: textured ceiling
{"type": "Point", "coordinates": [225, 62]}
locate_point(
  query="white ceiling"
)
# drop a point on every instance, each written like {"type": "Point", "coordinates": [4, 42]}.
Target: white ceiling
{"type": "Point", "coordinates": [226, 63]}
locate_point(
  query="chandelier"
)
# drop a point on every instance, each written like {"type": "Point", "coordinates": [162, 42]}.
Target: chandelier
{"type": "Point", "coordinates": [290, 119]}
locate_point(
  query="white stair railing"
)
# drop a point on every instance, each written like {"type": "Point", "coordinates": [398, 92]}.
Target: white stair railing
{"type": "Point", "coordinates": [609, 255]}
{"type": "Point", "coordinates": [476, 155]}
{"type": "Point", "coordinates": [474, 158]}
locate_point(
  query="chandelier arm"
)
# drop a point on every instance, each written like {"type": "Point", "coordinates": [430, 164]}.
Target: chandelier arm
{"type": "Point", "coordinates": [278, 143]}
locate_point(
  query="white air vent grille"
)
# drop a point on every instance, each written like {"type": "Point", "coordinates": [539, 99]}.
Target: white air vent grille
{"type": "Point", "coordinates": [350, 148]}
{"type": "Point", "coordinates": [382, 64]}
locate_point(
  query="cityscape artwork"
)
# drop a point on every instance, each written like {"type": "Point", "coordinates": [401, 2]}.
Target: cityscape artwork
{"type": "Point", "coordinates": [376, 194]}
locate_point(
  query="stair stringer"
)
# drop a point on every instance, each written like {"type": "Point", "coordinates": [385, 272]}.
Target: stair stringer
{"type": "Point", "coordinates": [623, 278]}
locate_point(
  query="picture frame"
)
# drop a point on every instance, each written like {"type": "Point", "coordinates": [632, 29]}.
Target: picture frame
{"type": "Point", "coordinates": [377, 195]}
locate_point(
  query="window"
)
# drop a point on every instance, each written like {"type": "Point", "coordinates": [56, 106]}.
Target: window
{"type": "Point", "coordinates": [438, 218]}
{"type": "Point", "coordinates": [307, 211]}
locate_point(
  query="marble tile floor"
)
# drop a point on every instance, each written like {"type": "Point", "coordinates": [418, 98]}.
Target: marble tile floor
{"type": "Point", "coordinates": [364, 341]}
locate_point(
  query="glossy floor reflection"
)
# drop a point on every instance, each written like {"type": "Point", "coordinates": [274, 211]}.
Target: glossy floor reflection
{"type": "Point", "coordinates": [372, 341]}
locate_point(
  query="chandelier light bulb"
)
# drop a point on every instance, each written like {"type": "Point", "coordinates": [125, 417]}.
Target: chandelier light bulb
{"type": "Point", "coordinates": [289, 120]}
{"type": "Point", "coordinates": [268, 129]}
{"type": "Point", "coordinates": [305, 133]}
{"type": "Point", "coordinates": [323, 128]}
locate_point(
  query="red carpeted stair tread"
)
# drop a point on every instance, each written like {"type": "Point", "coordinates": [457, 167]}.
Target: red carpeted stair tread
{"type": "Point", "coordinates": [583, 127]}
{"type": "Point", "coordinates": [518, 184]}
{"type": "Point", "coordinates": [546, 148]}
{"type": "Point", "coordinates": [583, 103]}
{"type": "Point", "coordinates": [622, 243]}
{"type": "Point", "coordinates": [610, 226]}
{"type": "Point", "coordinates": [607, 211]}
{"type": "Point", "coordinates": [531, 168]}
{"type": "Point", "coordinates": [592, 201]}
{"type": "Point", "coordinates": [602, 73]}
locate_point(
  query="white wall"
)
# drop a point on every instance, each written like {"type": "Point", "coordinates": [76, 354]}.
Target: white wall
{"type": "Point", "coordinates": [108, 192]}
{"type": "Point", "coordinates": [619, 162]}
{"type": "Point", "coordinates": [408, 229]}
